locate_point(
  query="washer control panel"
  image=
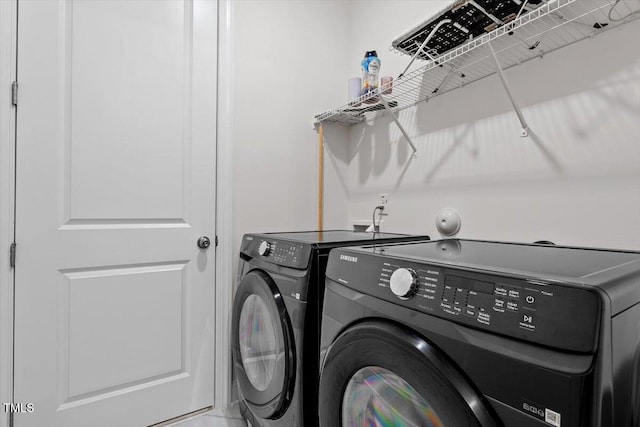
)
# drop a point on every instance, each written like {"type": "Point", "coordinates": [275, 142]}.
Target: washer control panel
{"type": "Point", "coordinates": [552, 314]}
{"type": "Point", "coordinates": [288, 254]}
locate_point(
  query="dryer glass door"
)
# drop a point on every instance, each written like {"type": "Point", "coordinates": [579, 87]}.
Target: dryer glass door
{"type": "Point", "coordinates": [383, 374]}
{"type": "Point", "coordinates": [377, 396]}
{"type": "Point", "coordinates": [263, 346]}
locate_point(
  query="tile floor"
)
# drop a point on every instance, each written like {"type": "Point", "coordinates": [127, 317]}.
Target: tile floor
{"type": "Point", "coordinates": [213, 419]}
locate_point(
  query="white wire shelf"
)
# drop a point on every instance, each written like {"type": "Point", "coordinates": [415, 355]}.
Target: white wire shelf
{"type": "Point", "coordinates": [551, 26]}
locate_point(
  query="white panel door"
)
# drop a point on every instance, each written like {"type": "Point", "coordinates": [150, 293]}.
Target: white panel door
{"type": "Point", "coordinates": [114, 321]}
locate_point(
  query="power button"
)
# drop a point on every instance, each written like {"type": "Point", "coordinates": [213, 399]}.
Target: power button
{"type": "Point", "coordinates": [530, 301]}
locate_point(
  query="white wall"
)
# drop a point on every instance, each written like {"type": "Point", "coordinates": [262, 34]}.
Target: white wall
{"type": "Point", "coordinates": [575, 180]}
{"type": "Point", "coordinates": [289, 62]}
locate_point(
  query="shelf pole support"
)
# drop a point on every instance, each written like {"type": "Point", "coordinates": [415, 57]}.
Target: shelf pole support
{"type": "Point", "coordinates": [395, 119]}
{"type": "Point", "coordinates": [320, 178]}
{"type": "Point", "coordinates": [525, 128]}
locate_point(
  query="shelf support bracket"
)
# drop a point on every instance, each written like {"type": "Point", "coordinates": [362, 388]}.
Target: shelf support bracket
{"type": "Point", "coordinates": [525, 128]}
{"type": "Point", "coordinates": [395, 119]}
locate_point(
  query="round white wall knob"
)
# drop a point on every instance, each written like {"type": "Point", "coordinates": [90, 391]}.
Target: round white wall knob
{"type": "Point", "coordinates": [448, 222]}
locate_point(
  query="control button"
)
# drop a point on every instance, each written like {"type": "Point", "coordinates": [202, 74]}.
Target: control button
{"type": "Point", "coordinates": [484, 318]}
{"type": "Point", "coordinates": [512, 306]}
{"type": "Point", "coordinates": [470, 312]}
{"type": "Point", "coordinates": [514, 294]}
{"type": "Point", "coordinates": [499, 303]}
{"type": "Point", "coordinates": [530, 299]}
{"type": "Point", "coordinates": [527, 322]}
{"type": "Point", "coordinates": [265, 248]}
{"type": "Point", "coordinates": [500, 291]}
{"type": "Point", "coordinates": [404, 282]}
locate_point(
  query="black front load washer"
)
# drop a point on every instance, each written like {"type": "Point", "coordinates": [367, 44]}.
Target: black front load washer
{"type": "Point", "coordinates": [275, 321]}
{"type": "Point", "coordinates": [475, 333]}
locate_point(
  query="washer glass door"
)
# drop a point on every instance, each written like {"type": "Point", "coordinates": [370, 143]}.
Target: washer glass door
{"type": "Point", "coordinates": [258, 344]}
{"type": "Point", "coordinates": [263, 345]}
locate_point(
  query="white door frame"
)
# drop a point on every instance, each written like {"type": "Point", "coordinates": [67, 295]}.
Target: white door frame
{"type": "Point", "coordinates": [8, 33]}
{"type": "Point", "coordinates": [225, 258]}
{"type": "Point", "coordinates": [224, 216]}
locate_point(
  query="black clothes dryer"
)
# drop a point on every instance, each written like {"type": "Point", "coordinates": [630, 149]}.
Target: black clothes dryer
{"type": "Point", "coordinates": [474, 333]}
{"type": "Point", "coordinates": [275, 321]}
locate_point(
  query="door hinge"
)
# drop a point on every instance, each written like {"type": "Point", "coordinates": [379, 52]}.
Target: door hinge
{"type": "Point", "coordinates": [12, 255]}
{"type": "Point", "coordinates": [14, 94]}
{"type": "Point", "coordinates": [216, 240]}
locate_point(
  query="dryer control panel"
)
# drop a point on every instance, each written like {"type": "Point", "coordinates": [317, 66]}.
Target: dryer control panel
{"type": "Point", "coordinates": [556, 315]}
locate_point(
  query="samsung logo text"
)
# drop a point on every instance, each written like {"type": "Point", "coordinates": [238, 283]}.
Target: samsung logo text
{"type": "Point", "coordinates": [349, 258]}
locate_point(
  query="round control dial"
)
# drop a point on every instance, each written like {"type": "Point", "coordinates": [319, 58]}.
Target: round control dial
{"type": "Point", "coordinates": [404, 283]}
{"type": "Point", "coordinates": [265, 248]}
